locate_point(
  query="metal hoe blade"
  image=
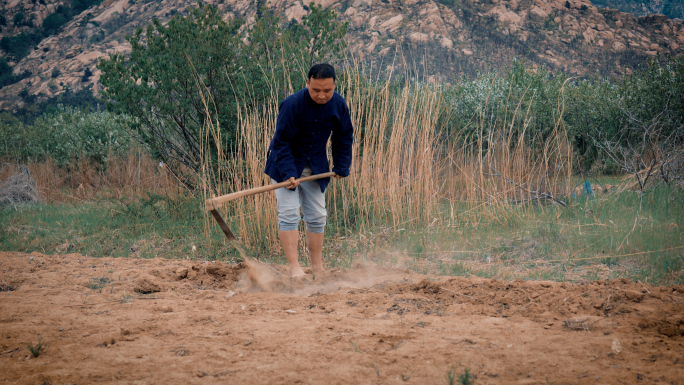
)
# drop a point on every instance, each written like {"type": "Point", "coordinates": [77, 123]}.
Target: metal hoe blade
{"type": "Point", "coordinates": [222, 224]}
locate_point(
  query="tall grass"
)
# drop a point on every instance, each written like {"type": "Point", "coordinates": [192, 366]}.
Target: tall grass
{"type": "Point", "coordinates": [490, 196]}
{"type": "Point", "coordinates": [130, 175]}
{"type": "Point", "coordinates": [405, 169]}
{"type": "Point", "coordinates": [494, 198]}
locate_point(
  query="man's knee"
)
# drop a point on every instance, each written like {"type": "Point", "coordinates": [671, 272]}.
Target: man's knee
{"type": "Point", "coordinates": [288, 220]}
{"type": "Point", "coordinates": [315, 222]}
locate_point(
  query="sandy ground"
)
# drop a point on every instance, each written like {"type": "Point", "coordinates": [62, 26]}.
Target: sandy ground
{"type": "Point", "coordinates": [204, 322]}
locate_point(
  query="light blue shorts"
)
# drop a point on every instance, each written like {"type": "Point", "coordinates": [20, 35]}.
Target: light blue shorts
{"type": "Point", "coordinates": [309, 197]}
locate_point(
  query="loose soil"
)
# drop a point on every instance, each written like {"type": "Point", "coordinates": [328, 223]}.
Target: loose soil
{"type": "Point", "coordinates": [160, 321]}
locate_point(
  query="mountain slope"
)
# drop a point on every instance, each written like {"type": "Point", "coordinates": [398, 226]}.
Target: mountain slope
{"type": "Point", "coordinates": [435, 40]}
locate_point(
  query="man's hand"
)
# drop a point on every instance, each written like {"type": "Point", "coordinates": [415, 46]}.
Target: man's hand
{"type": "Point", "coordinates": [294, 184]}
{"type": "Point", "coordinates": [338, 176]}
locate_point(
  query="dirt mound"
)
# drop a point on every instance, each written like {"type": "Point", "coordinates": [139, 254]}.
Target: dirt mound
{"type": "Point", "coordinates": [251, 323]}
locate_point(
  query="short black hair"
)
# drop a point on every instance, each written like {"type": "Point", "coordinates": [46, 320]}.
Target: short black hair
{"type": "Point", "coordinates": [322, 71]}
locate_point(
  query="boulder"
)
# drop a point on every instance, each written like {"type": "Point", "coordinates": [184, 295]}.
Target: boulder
{"type": "Point", "coordinates": [618, 46]}
{"type": "Point", "coordinates": [510, 17]}
{"type": "Point", "coordinates": [467, 52]}
{"type": "Point", "coordinates": [296, 12]}
{"type": "Point", "coordinates": [362, 3]}
{"type": "Point", "coordinates": [116, 8]}
{"type": "Point", "coordinates": [325, 3]}
{"type": "Point", "coordinates": [351, 11]}
{"type": "Point", "coordinates": [589, 35]}
{"type": "Point", "coordinates": [418, 37]}
{"type": "Point", "coordinates": [538, 14]}
{"type": "Point", "coordinates": [89, 57]}
{"type": "Point", "coordinates": [607, 35]}
{"type": "Point", "coordinates": [504, 16]}
{"type": "Point", "coordinates": [445, 42]}
{"type": "Point", "coordinates": [392, 23]}
{"type": "Point", "coordinates": [372, 21]}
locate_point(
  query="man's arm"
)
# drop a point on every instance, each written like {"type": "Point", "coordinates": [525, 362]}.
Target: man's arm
{"type": "Point", "coordinates": [281, 145]}
{"type": "Point", "coordinates": [341, 145]}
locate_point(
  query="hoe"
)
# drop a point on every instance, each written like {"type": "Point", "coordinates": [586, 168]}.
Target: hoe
{"type": "Point", "coordinates": [212, 204]}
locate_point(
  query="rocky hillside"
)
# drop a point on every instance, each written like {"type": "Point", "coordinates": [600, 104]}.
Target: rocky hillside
{"type": "Point", "coordinates": [436, 40]}
{"type": "Point", "coordinates": [674, 9]}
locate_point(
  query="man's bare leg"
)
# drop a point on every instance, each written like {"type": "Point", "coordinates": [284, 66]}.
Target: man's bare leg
{"type": "Point", "coordinates": [314, 241]}
{"type": "Point", "coordinates": [288, 241]}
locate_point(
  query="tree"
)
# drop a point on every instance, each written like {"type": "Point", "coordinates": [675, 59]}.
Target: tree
{"type": "Point", "coordinates": [54, 22]}
{"type": "Point", "coordinates": [649, 139]}
{"type": "Point", "coordinates": [163, 81]}
{"type": "Point", "coordinates": [197, 70]}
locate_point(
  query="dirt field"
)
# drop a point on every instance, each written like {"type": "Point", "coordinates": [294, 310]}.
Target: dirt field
{"type": "Point", "coordinates": [204, 322]}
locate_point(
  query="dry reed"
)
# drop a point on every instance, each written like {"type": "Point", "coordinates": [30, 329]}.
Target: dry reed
{"type": "Point", "coordinates": [130, 176]}
{"type": "Point", "coordinates": [403, 174]}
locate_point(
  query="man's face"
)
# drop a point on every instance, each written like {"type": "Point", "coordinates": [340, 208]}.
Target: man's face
{"type": "Point", "coordinates": [321, 90]}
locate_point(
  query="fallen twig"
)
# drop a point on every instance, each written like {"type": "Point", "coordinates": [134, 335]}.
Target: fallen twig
{"type": "Point", "coordinates": [539, 194]}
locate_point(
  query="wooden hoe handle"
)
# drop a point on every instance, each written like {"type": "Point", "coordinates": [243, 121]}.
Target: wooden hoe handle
{"type": "Point", "coordinates": [214, 203]}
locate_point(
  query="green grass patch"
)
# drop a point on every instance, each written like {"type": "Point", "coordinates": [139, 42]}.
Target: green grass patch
{"type": "Point", "coordinates": [149, 227]}
{"type": "Point", "coordinates": [617, 235]}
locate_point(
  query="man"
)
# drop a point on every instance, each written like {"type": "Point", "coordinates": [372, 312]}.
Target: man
{"type": "Point", "coordinates": [306, 120]}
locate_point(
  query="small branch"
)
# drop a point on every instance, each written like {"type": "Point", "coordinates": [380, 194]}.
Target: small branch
{"type": "Point", "coordinates": [539, 194]}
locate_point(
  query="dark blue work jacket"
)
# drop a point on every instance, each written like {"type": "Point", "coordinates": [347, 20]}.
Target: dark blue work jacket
{"type": "Point", "coordinates": [301, 135]}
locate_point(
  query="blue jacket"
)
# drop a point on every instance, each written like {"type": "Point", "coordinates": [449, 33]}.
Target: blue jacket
{"type": "Point", "coordinates": [302, 131]}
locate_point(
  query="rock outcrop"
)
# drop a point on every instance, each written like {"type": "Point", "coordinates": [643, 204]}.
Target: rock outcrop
{"type": "Point", "coordinates": [443, 41]}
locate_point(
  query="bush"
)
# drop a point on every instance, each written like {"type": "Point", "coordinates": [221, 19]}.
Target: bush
{"type": "Point", "coordinates": [18, 19]}
{"type": "Point", "coordinates": [79, 6]}
{"type": "Point", "coordinates": [54, 22]}
{"type": "Point", "coordinates": [6, 75]}
{"type": "Point", "coordinates": [20, 45]}
{"type": "Point", "coordinates": [67, 136]}
{"type": "Point", "coordinates": [82, 99]}
{"type": "Point", "coordinates": [646, 107]}
{"type": "Point", "coordinates": [87, 73]}
{"type": "Point", "coordinates": [520, 96]}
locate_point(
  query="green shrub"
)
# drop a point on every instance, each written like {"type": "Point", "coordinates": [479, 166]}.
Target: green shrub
{"type": "Point", "coordinates": [18, 18]}
{"type": "Point", "coordinates": [67, 136]}
{"type": "Point", "coordinates": [54, 22]}
{"type": "Point", "coordinates": [21, 44]}
{"type": "Point", "coordinates": [619, 110]}
{"type": "Point", "coordinates": [79, 6]}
